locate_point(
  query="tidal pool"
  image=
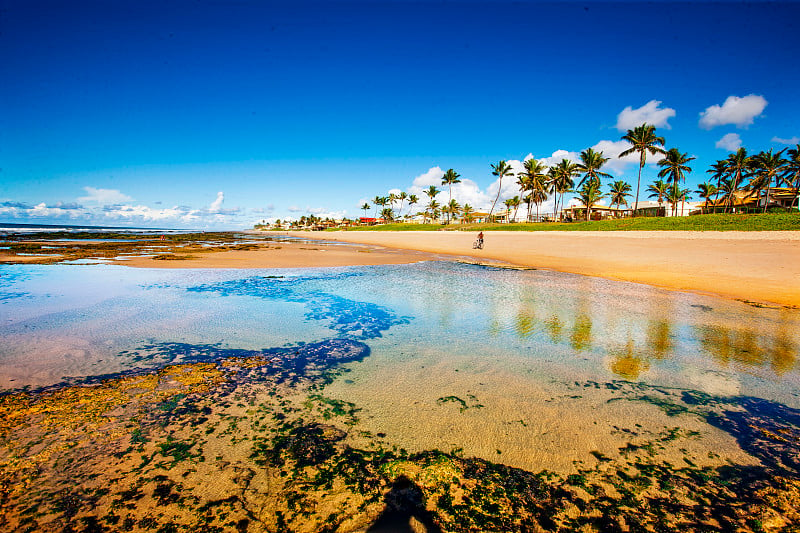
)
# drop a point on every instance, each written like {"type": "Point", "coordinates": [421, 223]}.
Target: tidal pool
{"type": "Point", "coordinates": [536, 370]}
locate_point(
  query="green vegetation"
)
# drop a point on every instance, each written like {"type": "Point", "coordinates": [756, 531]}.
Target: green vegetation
{"type": "Point", "coordinates": [779, 221]}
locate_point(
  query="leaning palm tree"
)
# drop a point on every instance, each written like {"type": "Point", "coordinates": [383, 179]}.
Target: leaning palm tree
{"type": "Point", "coordinates": [643, 139]}
{"type": "Point", "coordinates": [739, 166]}
{"type": "Point", "coordinates": [620, 190]}
{"type": "Point", "coordinates": [706, 191]}
{"type": "Point", "coordinates": [590, 194]}
{"type": "Point", "coordinates": [590, 165]}
{"type": "Point", "coordinates": [412, 200]}
{"type": "Point", "coordinates": [792, 174]}
{"type": "Point", "coordinates": [659, 189]}
{"type": "Point", "coordinates": [402, 197]}
{"type": "Point", "coordinates": [450, 178]}
{"type": "Point", "coordinates": [768, 167]}
{"type": "Point", "coordinates": [501, 170]}
{"type": "Point", "coordinates": [534, 178]}
{"type": "Point", "coordinates": [561, 180]}
{"type": "Point", "coordinates": [365, 207]}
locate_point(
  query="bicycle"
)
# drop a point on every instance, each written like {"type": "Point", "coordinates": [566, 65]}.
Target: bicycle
{"type": "Point", "coordinates": [478, 244]}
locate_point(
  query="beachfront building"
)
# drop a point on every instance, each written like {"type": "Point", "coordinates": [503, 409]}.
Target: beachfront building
{"type": "Point", "coordinates": [742, 201]}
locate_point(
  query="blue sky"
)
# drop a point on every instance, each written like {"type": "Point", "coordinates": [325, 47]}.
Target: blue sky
{"type": "Point", "coordinates": [214, 114]}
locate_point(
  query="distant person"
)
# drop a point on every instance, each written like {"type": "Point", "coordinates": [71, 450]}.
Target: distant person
{"type": "Point", "coordinates": [479, 242]}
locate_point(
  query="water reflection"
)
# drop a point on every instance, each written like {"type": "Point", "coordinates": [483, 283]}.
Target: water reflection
{"type": "Point", "coordinates": [635, 329]}
{"type": "Point", "coordinates": [627, 363]}
{"type": "Point", "coordinates": [581, 338]}
{"type": "Point", "coordinates": [555, 328]}
{"type": "Point", "coordinates": [743, 345]}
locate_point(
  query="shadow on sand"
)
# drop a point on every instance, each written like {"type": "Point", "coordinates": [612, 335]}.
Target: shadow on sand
{"type": "Point", "coordinates": [404, 503]}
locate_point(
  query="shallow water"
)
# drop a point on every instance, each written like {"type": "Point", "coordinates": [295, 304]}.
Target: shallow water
{"type": "Point", "coordinates": [522, 367]}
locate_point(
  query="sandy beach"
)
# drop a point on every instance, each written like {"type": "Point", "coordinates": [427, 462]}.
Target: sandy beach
{"type": "Point", "coordinates": [288, 255]}
{"type": "Point", "coordinates": [754, 266]}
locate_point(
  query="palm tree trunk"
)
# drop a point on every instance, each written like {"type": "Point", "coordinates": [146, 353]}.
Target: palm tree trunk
{"type": "Point", "coordinates": [766, 198]}
{"type": "Point", "coordinates": [450, 200]}
{"type": "Point", "coordinates": [638, 181]}
{"type": "Point", "coordinates": [499, 187]}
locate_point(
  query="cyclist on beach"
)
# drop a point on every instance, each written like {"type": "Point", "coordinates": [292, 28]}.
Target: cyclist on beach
{"type": "Point", "coordinates": [480, 240]}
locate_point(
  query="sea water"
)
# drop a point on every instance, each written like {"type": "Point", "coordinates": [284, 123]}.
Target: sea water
{"type": "Point", "coordinates": [535, 369]}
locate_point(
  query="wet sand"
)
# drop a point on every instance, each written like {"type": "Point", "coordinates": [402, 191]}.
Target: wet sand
{"type": "Point", "coordinates": [753, 266]}
{"type": "Point", "coordinates": [287, 255]}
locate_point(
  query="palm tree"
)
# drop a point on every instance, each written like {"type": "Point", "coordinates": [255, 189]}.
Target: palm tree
{"type": "Point", "coordinates": [675, 165]}
{"type": "Point", "coordinates": [432, 192]}
{"type": "Point", "coordinates": [706, 191]}
{"type": "Point", "coordinates": [726, 190]}
{"type": "Point", "coordinates": [590, 165]}
{"type": "Point", "coordinates": [767, 167]}
{"type": "Point", "coordinates": [792, 175]}
{"type": "Point", "coordinates": [450, 177]}
{"type": "Point", "coordinates": [675, 194]}
{"type": "Point", "coordinates": [402, 197]}
{"type": "Point", "coordinates": [620, 190]}
{"type": "Point", "coordinates": [660, 189]}
{"type": "Point", "coordinates": [590, 194]}
{"type": "Point", "coordinates": [511, 202]}
{"type": "Point", "coordinates": [392, 199]}
{"type": "Point", "coordinates": [451, 209]}
{"type": "Point", "coordinates": [433, 208]}
{"type": "Point", "coordinates": [467, 211]}
{"type": "Point", "coordinates": [643, 139]}
{"type": "Point", "coordinates": [412, 200]}
{"type": "Point", "coordinates": [501, 170]}
{"type": "Point", "coordinates": [378, 200]}
{"type": "Point", "coordinates": [534, 178]}
{"type": "Point", "coordinates": [561, 180]}
{"type": "Point", "coordinates": [538, 196]}
{"type": "Point", "coordinates": [365, 207]}
{"type": "Point", "coordinates": [718, 171]}
{"type": "Point", "coordinates": [739, 165]}
{"type": "Point", "coordinates": [387, 214]}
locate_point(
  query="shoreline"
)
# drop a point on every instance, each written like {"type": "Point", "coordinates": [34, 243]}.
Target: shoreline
{"type": "Point", "coordinates": [755, 267]}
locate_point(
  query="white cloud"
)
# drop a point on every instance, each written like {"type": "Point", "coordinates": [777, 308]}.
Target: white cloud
{"type": "Point", "coordinates": [740, 111]}
{"type": "Point", "coordinates": [790, 141]}
{"type": "Point", "coordinates": [612, 149]}
{"type": "Point", "coordinates": [217, 204]}
{"type": "Point", "coordinates": [432, 177]}
{"type": "Point", "coordinates": [103, 196]}
{"type": "Point", "coordinates": [730, 141]}
{"type": "Point", "coordinates": [558, 155]}
{"type": "Point", "coordinates": [649, 113]}
{"type": "Point", "coordinates": [148, 214]}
